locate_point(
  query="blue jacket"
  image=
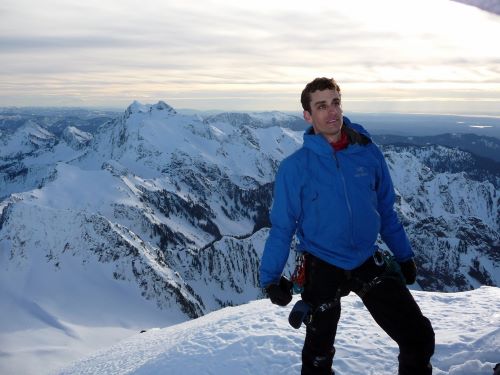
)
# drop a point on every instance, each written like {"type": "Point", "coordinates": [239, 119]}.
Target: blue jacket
{"type": "Point", "coordinates": [335, 202]}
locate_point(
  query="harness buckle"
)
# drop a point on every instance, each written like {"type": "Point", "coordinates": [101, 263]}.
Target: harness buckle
{"type": "Point", "coordinates": [379, 258]}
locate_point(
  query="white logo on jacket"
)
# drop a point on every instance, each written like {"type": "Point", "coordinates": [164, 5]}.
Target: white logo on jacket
{"type": "Point", "coordinates": [361, 172]}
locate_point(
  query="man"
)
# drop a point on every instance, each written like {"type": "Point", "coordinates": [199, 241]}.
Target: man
{"type": "Point", "coordinates": [336, 195]}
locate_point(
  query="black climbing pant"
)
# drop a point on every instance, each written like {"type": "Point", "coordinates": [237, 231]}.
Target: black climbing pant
{"type": "Point", "coordinates": [387, 299]}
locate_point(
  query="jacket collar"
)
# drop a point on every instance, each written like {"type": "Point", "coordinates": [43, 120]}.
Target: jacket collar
{"type": "Point", "coordinates": [319, 145]}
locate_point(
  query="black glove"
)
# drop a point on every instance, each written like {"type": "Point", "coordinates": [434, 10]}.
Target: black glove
{"type": "Point", "coordinates": [409, 271]}
{"type": "Point", "coordinates": [280, 294]}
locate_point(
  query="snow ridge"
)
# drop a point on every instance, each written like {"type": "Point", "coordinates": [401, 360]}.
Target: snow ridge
{"type": "Point", "coordinates": [255, 339]}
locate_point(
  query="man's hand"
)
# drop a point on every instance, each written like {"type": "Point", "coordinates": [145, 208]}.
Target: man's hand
{"type": "Point", "coordinates": [409, 270]}
{"type": "Point", "coordinates": [280, 294]}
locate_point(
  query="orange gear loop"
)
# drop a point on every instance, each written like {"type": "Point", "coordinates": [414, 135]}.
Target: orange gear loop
{"type": "Point", "coordinates": [298, 276]}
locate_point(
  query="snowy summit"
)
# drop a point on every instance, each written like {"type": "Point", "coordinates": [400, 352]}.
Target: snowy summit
{"type": "Point", "coordinates": [256, 339]}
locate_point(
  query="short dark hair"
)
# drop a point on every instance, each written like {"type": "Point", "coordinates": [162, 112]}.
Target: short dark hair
{"type": "Point", "coordinates": [320, 84]}
{"type": "Point", "coordinates": [496, 369]}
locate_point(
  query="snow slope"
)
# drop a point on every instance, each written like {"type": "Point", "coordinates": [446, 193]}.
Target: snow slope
{"type": "Point", "coordinates": [59, 314]}
{"type": "Point", "coordinates": [256, 339]}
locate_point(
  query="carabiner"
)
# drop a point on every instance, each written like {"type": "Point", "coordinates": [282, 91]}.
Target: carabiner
{"type": "Point", "coordinates": [379, 258]}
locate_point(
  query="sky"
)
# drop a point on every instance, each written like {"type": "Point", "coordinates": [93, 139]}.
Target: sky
{"type": "Point", "coordinates": [425, 56]}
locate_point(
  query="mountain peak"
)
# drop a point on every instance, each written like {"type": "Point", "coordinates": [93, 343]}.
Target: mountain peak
{"type": "Point", "coordinates": [137, 107]}
{"type": "Point", "coordinates": [161, 106]}
{"type": "Point", "coordinates": [76, 138]}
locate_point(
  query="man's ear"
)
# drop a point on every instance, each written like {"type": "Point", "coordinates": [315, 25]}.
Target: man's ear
{"type": "Point", "coordinates": [307, 117]}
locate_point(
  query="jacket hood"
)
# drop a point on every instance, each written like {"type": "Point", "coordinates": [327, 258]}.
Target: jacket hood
{"type": "Point", "coordinates": [319, 145]}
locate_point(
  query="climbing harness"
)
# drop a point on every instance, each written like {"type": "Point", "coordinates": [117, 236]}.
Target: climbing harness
{"type": "Point", "coordinates": [302, 312]}
{"type": "Point", "coordinates": [392, 270]}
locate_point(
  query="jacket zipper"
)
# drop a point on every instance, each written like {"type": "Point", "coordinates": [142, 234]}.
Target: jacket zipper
{"type": "Point", "coordinates": [348, 203]}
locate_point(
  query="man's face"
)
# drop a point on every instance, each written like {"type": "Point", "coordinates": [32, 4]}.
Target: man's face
{"type": "Point", "coordinates": [326, 114]}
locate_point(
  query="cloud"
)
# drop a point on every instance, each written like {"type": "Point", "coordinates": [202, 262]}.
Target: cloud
{"type": "Point", "coordinates": [50, 43]}
{"type": "Point", "coordinates": [114, 50]}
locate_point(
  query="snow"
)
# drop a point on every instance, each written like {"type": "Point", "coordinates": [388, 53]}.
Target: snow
{"type": "Point", "coordinates": [76, 137]}
{"type": "Point", "coordinates": [157, 136]}
{"type": "Point", "coordinates": [256, 339]}
{"type": "Point", "coordinates": [76, 206]}
{"type": "Point", "coordinates": [58, 314]}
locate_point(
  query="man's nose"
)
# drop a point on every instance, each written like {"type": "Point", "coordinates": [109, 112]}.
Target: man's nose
{"type": "Point", "coordinates": [335, 109]}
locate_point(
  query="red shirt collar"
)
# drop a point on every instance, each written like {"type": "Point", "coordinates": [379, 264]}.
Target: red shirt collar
{"type": "Point", "coordinates": [342, 143]}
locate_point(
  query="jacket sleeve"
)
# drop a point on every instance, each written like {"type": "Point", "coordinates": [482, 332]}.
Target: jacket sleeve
{"type": "Point", "coordinates": [285, 213]}
{"type": "Point", "coordinates": [391, 230]}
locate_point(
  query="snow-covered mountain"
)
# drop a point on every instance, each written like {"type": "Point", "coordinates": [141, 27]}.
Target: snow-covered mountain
{"type": "Point", "coordinates": [163, 212]}
{"type": "Point", "coordinates": [76, 138]}
{"type": "Point", "coordinates": [481, 147]}
{"type": "Point", "coordinates": [28, 157]}
{"type": "Point", "coordinates": [193, 193]}
{"type": "Point", "coordinates": [55, 119]}
{"type": "Point", "coordinates": [259, 119]}
{"type": "Point", "coordinates": [174, 204]}
{"type": "Point", "coordinates": [452, 219]}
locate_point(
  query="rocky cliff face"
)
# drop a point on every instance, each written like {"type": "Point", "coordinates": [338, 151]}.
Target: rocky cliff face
{"type": "Point", "coordinates": [177, 206]}
{"type": "Point", "coordinates": [452, 219]}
